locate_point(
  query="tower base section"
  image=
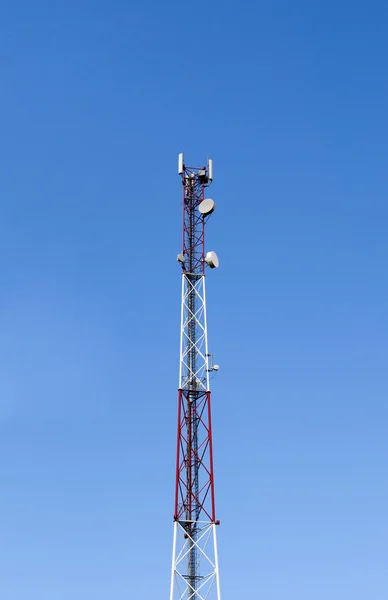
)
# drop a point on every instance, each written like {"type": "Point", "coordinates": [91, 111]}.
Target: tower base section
{"type": "Point", "coordinates": [195, 551]}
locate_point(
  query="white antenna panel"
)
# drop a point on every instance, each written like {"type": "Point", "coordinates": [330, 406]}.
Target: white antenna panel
{"type": "Point", "coordinates": [180, 163]}
{"type": "Point", "coordinates": [210, 169]}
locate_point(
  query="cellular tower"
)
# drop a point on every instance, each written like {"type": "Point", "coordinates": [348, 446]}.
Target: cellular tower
{"type": "Point", "coordinates": [194, 572]}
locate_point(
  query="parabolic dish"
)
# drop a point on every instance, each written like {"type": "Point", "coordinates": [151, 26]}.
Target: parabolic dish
{"type": "Point", "coordinates": [211, 259]}
{"type": "Point", "coordinates": [207, 206]}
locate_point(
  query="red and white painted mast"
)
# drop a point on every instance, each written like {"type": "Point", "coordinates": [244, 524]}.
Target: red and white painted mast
{"type": "Point", "coordinates": [195, 573]}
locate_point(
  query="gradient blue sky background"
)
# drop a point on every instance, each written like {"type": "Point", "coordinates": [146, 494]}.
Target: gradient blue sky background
{"type": "Point", "coordinates": [290, 100]}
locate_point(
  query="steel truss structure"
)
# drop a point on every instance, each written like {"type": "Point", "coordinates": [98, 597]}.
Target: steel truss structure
{"type": "Point", "coordinates": [194, 573]}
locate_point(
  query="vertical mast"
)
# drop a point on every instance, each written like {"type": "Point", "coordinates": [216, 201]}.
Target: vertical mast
{"type": "Point", "coordinates": [194, 573]}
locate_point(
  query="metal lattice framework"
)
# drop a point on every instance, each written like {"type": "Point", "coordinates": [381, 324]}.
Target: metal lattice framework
{"type": "Point", "coordinates": [195, 574]}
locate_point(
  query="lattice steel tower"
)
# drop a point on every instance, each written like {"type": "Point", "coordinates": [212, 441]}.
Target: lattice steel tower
{"type": "Point", "coordinates": [194, 573]}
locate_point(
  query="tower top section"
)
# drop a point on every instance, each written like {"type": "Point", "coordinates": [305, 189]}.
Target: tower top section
{"type": "Point", "coordinates": [204, 173]}
{"type": "Point", "coordinates": [196, 211]}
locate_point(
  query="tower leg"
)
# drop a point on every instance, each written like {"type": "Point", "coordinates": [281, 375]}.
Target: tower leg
{"type": "Point", "coordinates": [216, 562]}
{"type": "Point", "coordinates": [173, 561]}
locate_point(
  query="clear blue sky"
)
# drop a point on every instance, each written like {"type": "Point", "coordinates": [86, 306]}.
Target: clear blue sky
{"type": "Point", "coordinates": [290, 100]}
